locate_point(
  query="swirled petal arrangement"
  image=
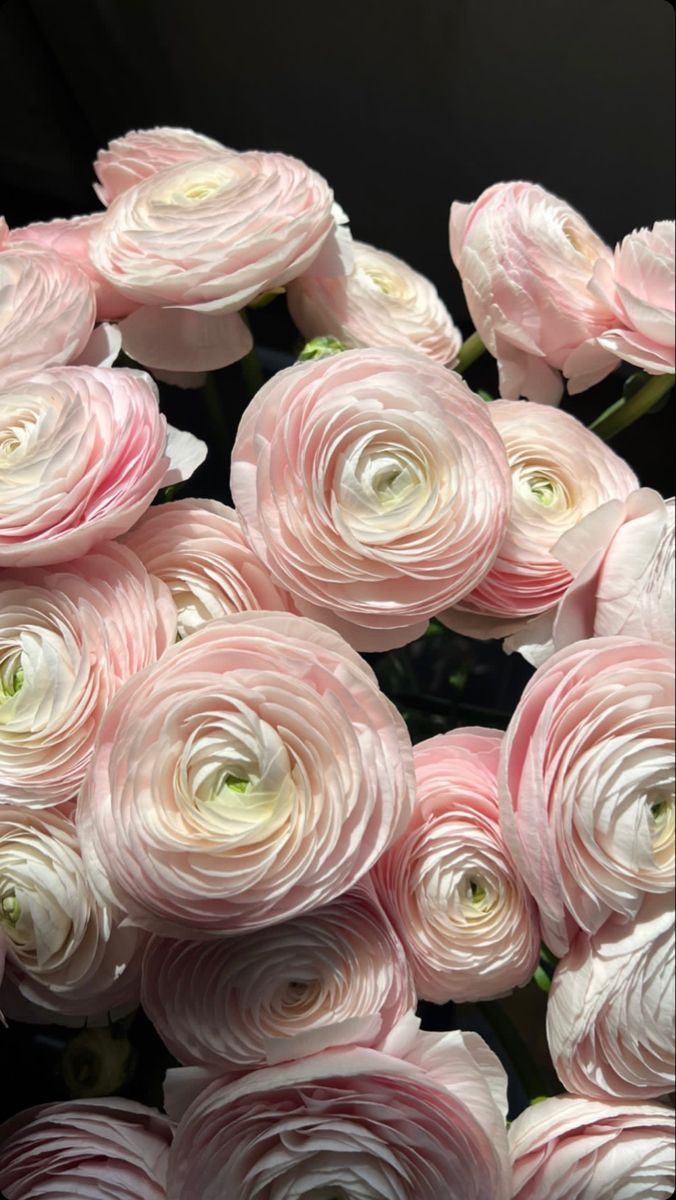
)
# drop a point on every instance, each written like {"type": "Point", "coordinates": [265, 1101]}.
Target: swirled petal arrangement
{"type": "Point", "coordinates": [213, 819]}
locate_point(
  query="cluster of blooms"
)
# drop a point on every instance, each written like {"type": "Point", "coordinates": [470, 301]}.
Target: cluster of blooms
{"type": "Point", "coordinates": [207, 804]}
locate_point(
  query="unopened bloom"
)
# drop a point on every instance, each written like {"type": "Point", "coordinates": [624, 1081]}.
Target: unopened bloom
{"type": "Point", "coordinates": [526, 259]}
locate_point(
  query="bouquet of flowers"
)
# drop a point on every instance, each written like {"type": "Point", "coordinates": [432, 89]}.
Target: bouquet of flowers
{"type": "Point", "coordinates": [245, 914]}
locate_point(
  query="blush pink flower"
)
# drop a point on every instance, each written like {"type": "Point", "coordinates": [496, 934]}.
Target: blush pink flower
{"type": "Point", "coordinates": [67, 955]}
{"type": "Point", "coordinates": [84, 451]}
{"type": "Point", "coordinates": [70, 239]}
{"type": "Point", "coordinates": [622, 559]}
{"type": "Point", "coordinates": [638, 288]}
{"type": "Point", "coordinates": [376, 489]}
{"type": "Point", "coordinates": [526, 259]}
{"type": "Point", "coordinates": [335, 976]}
{"type": "Point", "coordinates": [47, 310]}
{"type": "Point", "coordinates": [587, 783]}
{"type": "Point", "coordinates": [196, 242]}
{"type": "Point", "coordinates": [198, 548]}
{"type": "Point", "coordinates": [449, 885]}
{"type": "Point", "coordinates": [86, 1148]}
{"type": "Point", "coordinates": [69, 637]}
{"type": "Point", "coordinates": [610, 1015]}
{"type": "Point", "coordinates": [143, 152]}
{"type": "Point", "coordinates": [570, 1148]}
{"type": "Point", "coordinates": [252, 774]}
{"type": "Point", "coordinates": [422, 1123]}
{"type": "Point", "coordinates": [382, 302]}
{"type": "Point", "coordinates": [561, 471]}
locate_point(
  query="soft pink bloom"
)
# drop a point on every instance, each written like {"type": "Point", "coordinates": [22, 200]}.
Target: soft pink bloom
{"type": "Point", "coordinates": [196, 242]}
{"type": "Point", "coordinates": [84, 451]}
{"type": "Point", "coordinates": [67, 955]}
{"type": "Point", "coordinates": [335, 976]}
{"type": "Point", "coordinates": [420, 1120]}
{"type": "Point", "coordinates": [610, 1016]}
{"type": "Point", "coordinates": [526, 259]}
{"type": "Point", "coordinates": [561, 471]}
{"type": "Point", "coordinates": [467, 921]}
{"type": "Point", "coordinates": [198, 548]}
{"type": "Point", "coordinates": [70, 239]}
{"type": "Point", "coordinates": [586, 783]}
{"type": "Point", "coordinates": [69, 637]}
{"type": "Point", "coordinates": [638, 288]}
{"type": "Point", "coordinates": [622, 559]}
{"type": "Point", "coordinates": [375, 487]}
{"type": "Point", "coordinates": [142, 152]}
{"type": "Point", "coordinates": [47, 310]}
{"type": "Point", "coordinates": [86, 1148]}
{"type": "Point", "coordinates": [569, 1148]}
{"type": "Point", "coordinates": [253, 773]}
{"type": "Point", "coordinates": [382, 302]}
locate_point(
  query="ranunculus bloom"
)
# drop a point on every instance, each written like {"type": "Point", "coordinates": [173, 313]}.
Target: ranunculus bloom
{"type": "Point", "coordinates": [569, 1148]}
{"type": "Point", "coordinates": [375, 487]}
{"type": "Point", "coordinates": [610, 1016]}
{"type": "Point", "coordinates": [560, 473]}
{"type": "Point", "coordinates": [335, 976]}
{"type": "Point", "coordinates": [198, 548]}
{"type": "Point", "coordinates": [196, 242]}
{"type": "Point", "coordinates": [449, 885]}
{"type": "Point", "coordinates": [253, 773]}
{"type": "Point", "coordinates": [70, 239]}
{"type": "Point", "coordinates": [142, 152]}
{"type": "Point", "coordinates": [526, 259]}
{"type": "Point", "coordinates": [87, 1149]}
{"type": "Point", "coordinates": [69, 637]}
{"type": "Point", "coordinates": [587, 783]}
{"type": "Point", "coordinates": [358, 1122]}
{"type": "Point", "coordinates": [382, 302]}
{"type": "Point", "coordinates": [47, 310]}
{"type": "Point", "coordinates": [638, 287]}
{"type": "Point", "coordinates": [66, 953]}
{"type": "Point", "coordinates": [84, 451]}
{"type": "Point", "coordinates": [622, 560]}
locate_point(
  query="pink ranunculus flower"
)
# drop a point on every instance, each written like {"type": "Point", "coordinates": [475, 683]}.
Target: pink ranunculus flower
{"type": "Point", "coordinates": [424, 1119]}
{"type": "Point", "coordinates": [587, 783]}
{"type": "Point", "coordinates": [67, 955]}
{"type": "Point", "coordinates": [336, 976]}
{"type": "Point", "coordinates": [197, 242]}
{"type": "Point", "coordinates": [86, 1148]}
{"type": "Point", "coordinates": [449, 885]}
{"type": "Point", "coordinates": [382, 302]}
{"type": "Point", "coordinates": [571, 1148]}
{"type": "Point", "coordinates": [375, 487]}
{"type": "Point", "coordinates": [253, 773]}
{"type": "Point", "coordinates": [70, 239]}
{"type": "Point", "coordinates": [638, 288]}
{"type": "Point", "coordinates": [84, 451]}
{"type": "Point", "coordinates": [622, 559]}
{"type": "Point", "coordinates": [47, 310]}
{"type": "Point", "coordinates": [610, 1015]}
{"type": "Point", "coordinates": [561, 471]}
{"type": "Point", "coordinates": [143, 152]}
{"type": "Point", "coordinates": [526, 259]}
{"type": "Point", "coordinates": [69, 637]}
{"type": "Point", "coordinates": [198, 548]}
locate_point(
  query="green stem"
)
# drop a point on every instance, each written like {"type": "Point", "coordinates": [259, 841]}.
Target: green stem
{"type": "Point", "coordinates": [627, 410]}
{"type": "Point", "coordinates": [520, 1056]}
{"type": "Point", "coordinates": [251, 373]}
{"type": "Point", "coordinates": [470, 350]}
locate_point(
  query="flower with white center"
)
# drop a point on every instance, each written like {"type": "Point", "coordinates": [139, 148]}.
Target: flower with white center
{"type": "Point", "coordinates": [140, 153]}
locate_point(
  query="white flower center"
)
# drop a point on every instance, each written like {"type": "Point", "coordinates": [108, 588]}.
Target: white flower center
{"type": "Point", "coordinates": [662, 817]}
